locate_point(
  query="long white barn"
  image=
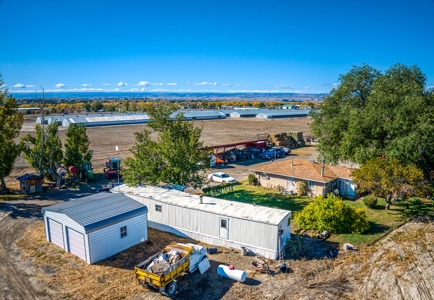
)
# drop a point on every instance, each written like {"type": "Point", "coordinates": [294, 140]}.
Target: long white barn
{"type": "Point", "coordinates": [219, 222]}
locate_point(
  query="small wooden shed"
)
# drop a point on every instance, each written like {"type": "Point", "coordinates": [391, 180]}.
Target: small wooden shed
{"type": "Point", "coordinates": [30, 183]}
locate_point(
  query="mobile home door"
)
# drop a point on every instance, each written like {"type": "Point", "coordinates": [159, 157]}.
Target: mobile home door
{"type": "Point", "coordinates": [224, 228]}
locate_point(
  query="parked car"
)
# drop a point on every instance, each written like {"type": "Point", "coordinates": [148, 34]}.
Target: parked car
{"type": "Point", "coordinates": [252, 151]}
{"type": "Point", "coordinates": [270, 154]}
{"type": "Point", "coordinates": [285, 150]}
{"type": "Point", "coordinates": [221, 177]}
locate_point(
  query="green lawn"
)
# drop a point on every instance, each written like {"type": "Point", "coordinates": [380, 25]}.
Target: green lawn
{"type": "Point", "coordinates": [6, 197]}
{"type": "Point", "coordinates": [381, 220]}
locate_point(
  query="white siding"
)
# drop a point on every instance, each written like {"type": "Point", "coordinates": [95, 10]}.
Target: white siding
{"type": "Point", "coordinates": [204, 226]}
{"type": "Point", "coordinates": [104, 242]}
{"type": "Point", "coordinates": [70, 223]}
{"type": "Point", "coordinates": [107, 241]}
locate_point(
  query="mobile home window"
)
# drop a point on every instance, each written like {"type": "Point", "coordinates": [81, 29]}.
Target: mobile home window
{"type": "Point", "coordinates": [123, 231]}
{"type": "Point", "coordinates": [223, 223]}
{"type": "Point", "coordinates": [158, 208]}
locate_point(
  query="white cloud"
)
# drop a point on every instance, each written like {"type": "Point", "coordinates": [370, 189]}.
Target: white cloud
{"type": "Point", "coordinates": [159, 83]}
{"type": "Point", "coordinates": [106, 84]}
{"type": "Point", "coordinates": [171, 84]}
{"type": "Point", "coordinates": [143, 83]}
{"type": "Point", "coordinates": [134, 90]}
{"type": "Point", "coordinates": [430, 87]}
{"type": "Point", "coordinates": [4, 85]}
{"type": "Point", "coordinates": [59, 85]}
{"type": "Point", "coordinates": [122, 84]}
{"type": "Point", "coordinates": [226, 84]}
{"type": "Point", "coordinates": [307, 87]}
{"type": "Point", "coordinates": [116, 89]}
{"type": "Point", "coordinates": [283, 86]}
{"type": "Point", "coordinates": [142, 89]}
{"type": "Point", "coordinates": [86, 84]}
{"type": "Point", "coordinates": [19, 85]}
{"type": "Point", "coordinates": [206, 83]}
{"type": "Point", "coordinates": [30, 86]}
{"type": "Point", "coordinates": [335, 85]}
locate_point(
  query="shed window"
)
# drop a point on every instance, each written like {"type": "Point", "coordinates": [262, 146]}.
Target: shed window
{"type": "Point", "coordinates": [123, 231]}
{"type": "Point", "coordinates": [158, 208]}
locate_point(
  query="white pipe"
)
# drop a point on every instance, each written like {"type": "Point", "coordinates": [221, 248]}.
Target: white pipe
{"type": "Point", "coordinates": [237, 275]}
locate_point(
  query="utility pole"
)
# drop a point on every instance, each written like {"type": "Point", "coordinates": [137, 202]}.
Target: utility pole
{"type": "Point", "coordinates": [119, 168]}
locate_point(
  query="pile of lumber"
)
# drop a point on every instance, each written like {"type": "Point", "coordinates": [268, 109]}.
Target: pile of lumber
{"type": "Point", "coordinates": [287, 139]}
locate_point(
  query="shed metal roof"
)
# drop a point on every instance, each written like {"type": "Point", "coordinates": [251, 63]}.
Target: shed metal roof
{"type": "Point", "coordinates": [235, 209]}
{"type": "Point", "coordinates": [28, 177]}
{"type": "Point", "coordinates": [99, 210]}
{"type": "Point", "coordinates": [201, 113]}
{"type": "Point", "coordinates": [283, 112]}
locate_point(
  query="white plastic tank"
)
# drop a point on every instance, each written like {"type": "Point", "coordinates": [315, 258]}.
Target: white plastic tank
{"type": "Point", "coordinates": [237, 275]}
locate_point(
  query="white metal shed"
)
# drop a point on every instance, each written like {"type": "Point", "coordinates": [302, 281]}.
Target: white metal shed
{"type": "Point", "coordinates": [219, 222]}
{"type": "Point", "coordinates": [96, 227]}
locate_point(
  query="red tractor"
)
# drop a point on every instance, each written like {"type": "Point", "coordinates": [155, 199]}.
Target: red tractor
{"type": "Point", "coordinates": [112, 169]}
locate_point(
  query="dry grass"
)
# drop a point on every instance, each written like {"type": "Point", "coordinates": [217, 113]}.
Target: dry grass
{"type": "Point", "coordinates": [71, 277]}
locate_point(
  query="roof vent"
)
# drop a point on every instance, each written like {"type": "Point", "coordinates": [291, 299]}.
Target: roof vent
{"type": "Point", "coordinates": [201, 199]}
{"type": "Point", "coordinates": [322, 171]}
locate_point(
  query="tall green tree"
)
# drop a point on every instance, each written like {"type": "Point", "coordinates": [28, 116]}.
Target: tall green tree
{"type": "Point", "coordinates": [388, 178]}
{"type": "Point", "coordinates": [44, 150]}
{"type": "Point", "coordinates": [11, 122]}
{"type": "Point", "coordinates": [77, 146]}
{"type": "Point", "coordinates": [176, 155]}
{"type": "Point", "coordinates": [96, 106]}
{"type": "Point", "coordinates": [371, 114]}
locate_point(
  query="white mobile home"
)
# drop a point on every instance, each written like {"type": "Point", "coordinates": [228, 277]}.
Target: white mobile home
{"type": "Point", "coordinates": [214, 221]}
{"type": "Point", "coordinates": [96, 227]}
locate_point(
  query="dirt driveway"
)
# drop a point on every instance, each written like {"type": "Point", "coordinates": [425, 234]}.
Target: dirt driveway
{"type": "Point", "coordinates": [15, 217]}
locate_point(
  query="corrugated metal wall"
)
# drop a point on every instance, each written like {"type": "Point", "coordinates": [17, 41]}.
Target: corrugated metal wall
{"type": "Point", "coordinates": [104, 242]}
{"type": "Point", "coordinates": [204, 226]}
{"type": "Point", "coordinates": [67, 222]}
{"type": "Point", "coordinates": [107, 241]}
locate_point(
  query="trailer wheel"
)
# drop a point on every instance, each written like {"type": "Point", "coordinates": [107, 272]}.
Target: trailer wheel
{"type": "Point", "coordinates": [171, 289]}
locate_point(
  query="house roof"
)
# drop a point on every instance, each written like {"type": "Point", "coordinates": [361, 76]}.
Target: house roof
{"type": "Point", "coordinates": [28, 177]}
{"type": "Point", "coordinates": [305, 169]}
{"type": "Point", "coordinates": [235, 209]}
{"type": "Point", "coordinates": [99, 210]}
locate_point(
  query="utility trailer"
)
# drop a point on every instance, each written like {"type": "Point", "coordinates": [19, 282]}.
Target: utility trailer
{"type": "Point", "coordinates": [160, 270]}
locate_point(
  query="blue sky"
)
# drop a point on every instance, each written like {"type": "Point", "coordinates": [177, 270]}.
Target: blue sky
{"type": "Point", "coordinates": [249, 45]}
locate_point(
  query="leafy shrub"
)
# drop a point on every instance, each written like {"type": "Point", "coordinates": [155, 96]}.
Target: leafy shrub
{"type": "Point", "coordinates": [370, 201]}
{"type": "Point", "coordinates": [333, 215]}
{"type": "Point", "coordinates": [414, 201]}
{"type": "Point", "coordinates": [302, 188]}
{"type": "Point", "coordinates": [252, 179]}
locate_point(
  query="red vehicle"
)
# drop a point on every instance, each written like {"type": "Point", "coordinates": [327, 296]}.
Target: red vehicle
{"type": "Point", "coordinates": [113, 167]}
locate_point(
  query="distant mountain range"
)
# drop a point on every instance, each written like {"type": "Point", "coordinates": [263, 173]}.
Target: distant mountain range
{"type": "Point", "coordinates": [285, 97]}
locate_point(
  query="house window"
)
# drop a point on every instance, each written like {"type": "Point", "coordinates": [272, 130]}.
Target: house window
{"type": "Point", "coordinates": [123, 231]}
{"type": "Point", "coordinates": [310, 184]}
{"type": "Point", "coordinates": [158, 208]}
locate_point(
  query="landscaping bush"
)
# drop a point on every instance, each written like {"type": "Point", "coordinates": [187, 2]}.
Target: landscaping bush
{"type": "Point", "coordinates": [370, 201]}
{"type": "Point", "coordinates": [252, 179]}
{"type": "Point", "coordinates": [333, 215]}
{"type": "Point", "coordinates": [302, 188]}
{"type": "Point", "coordinates": [414, 201]}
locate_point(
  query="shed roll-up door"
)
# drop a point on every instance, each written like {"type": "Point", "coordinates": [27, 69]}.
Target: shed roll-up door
{"type": "Point", "coordinates": [76, 243]}
{"type": "Point", "coordinates": [56, 233]}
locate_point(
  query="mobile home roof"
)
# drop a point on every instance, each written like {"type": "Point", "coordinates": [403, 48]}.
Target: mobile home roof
{"type": "Point", "coordinates": [239, 210]}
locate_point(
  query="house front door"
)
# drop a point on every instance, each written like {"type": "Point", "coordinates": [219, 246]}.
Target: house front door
{"type": "Point", "coordinates": [291, 184]}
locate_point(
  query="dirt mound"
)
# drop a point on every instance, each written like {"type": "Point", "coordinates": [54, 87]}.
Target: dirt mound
{"type": "Point", "coordinates": [402, 266]}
